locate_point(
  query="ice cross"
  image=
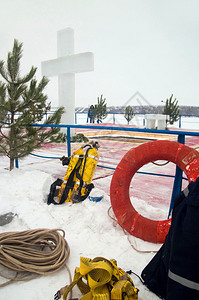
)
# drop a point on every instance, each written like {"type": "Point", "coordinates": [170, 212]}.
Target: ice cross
{"type": "Point", "coordinates": [65, 66]}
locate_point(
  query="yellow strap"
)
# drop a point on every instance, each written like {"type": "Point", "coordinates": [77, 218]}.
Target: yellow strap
{"type": "Point", "coordinates": [98, 274]}
{"type": "Point", "coordinates": [76, 279]}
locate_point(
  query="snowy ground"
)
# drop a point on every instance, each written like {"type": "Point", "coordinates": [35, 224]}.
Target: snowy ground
{"type": "Point", "coordinates": [89, 230]}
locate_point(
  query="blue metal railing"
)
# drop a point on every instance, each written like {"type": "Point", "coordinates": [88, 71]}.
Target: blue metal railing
{"type": "Point", "coordinates": [180, 138]}
{"type": "Point", "coordinates": [181, 134]}
{"type": "Point", "coordinates": [115, 114]}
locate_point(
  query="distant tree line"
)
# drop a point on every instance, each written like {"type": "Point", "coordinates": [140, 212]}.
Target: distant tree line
{"type": "Point", "coordinates": [156, 109]}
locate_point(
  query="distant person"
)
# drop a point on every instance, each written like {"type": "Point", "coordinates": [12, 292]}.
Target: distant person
{"type": "Point", "coordinates": [91, 114]}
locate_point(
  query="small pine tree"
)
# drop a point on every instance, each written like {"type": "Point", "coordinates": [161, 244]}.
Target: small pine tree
{"type": "Point", "coordinates": [171, 109]}
{"type": "Point", "coordinates": [22, 102]}
{"type": "Point", "coordinates": [100, 108]}
{"type": "Point", "coordinates": [129, 113]}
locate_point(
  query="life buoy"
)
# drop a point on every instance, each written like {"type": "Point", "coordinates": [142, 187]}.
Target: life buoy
{"type": "Point", "coordinates": [149, 230]}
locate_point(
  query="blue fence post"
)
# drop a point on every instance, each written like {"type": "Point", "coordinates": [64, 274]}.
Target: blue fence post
{"type": "Point", "coordinates": [8, 119]}
{"type": "Point", "coordinates": [178, 179]}
{"type": "Point", "coordinates": [113, 118]}
{"type": "Point", "coordinates": [144, 121]}
{"type": "Point", "coordinates": [180, 117]}
{"type": "Point", "coordinates": [16, 163]}
{"type": "Point", "coordinates": [68, 142]}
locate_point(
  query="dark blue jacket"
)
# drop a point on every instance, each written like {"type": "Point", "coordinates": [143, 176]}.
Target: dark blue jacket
{"type": "Point", "coordinates": [173, 273]}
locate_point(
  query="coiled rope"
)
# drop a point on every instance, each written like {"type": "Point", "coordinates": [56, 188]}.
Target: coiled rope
{"type": "Point", "coordinates": [32, 253]}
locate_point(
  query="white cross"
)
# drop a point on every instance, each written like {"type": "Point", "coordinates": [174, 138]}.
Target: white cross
{"type": "Point", "coordinates": [65, 67]}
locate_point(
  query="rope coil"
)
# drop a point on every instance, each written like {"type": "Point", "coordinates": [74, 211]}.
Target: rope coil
{"type": "Point", "coordinates": [32, 253]}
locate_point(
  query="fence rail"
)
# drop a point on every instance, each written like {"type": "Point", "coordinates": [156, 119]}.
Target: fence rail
{"type": "Point", "coordinates": [179, 133]}
{"type": "Point", "coordinates": [118, 118]}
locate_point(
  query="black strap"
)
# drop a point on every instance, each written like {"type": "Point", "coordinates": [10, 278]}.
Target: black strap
{"type": "Point", "coordinates": [70, 183]}
{"type": "Point", "coordinates": [78, 197]}
{"type": "Point", "coordinates": [51, 195]}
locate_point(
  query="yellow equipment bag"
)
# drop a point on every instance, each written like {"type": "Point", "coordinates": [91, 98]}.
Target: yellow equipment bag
{"type": "Point", "coordinates": [77, 182]}
{"type": "Point", "coordinates": [101, 279]}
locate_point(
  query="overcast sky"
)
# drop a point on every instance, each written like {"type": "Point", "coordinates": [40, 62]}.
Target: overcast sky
{"type": "Point", "coordinates": [150, 46]}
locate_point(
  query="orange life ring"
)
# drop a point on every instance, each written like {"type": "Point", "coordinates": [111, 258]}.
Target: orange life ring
{"type": "Point", "coordinates": [149, 230]}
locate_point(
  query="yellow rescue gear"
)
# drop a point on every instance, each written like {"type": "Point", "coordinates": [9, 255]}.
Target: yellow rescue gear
{"type": "Point", "coordinates": [77, 182]}
{"type": "Point", "coordinates": [102, 279]}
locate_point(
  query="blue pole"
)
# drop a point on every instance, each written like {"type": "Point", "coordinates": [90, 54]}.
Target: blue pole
{"type": "Point", "coordinates": [178, 179]}
{"type": "Point", "coordinates": [113, 118]}
{"type": "Point", "coordinates": [16, 163]}
{"type": "Point", "coordinates": [68, 142]}
{"type": "Point", "coordinates": [180, 125]}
